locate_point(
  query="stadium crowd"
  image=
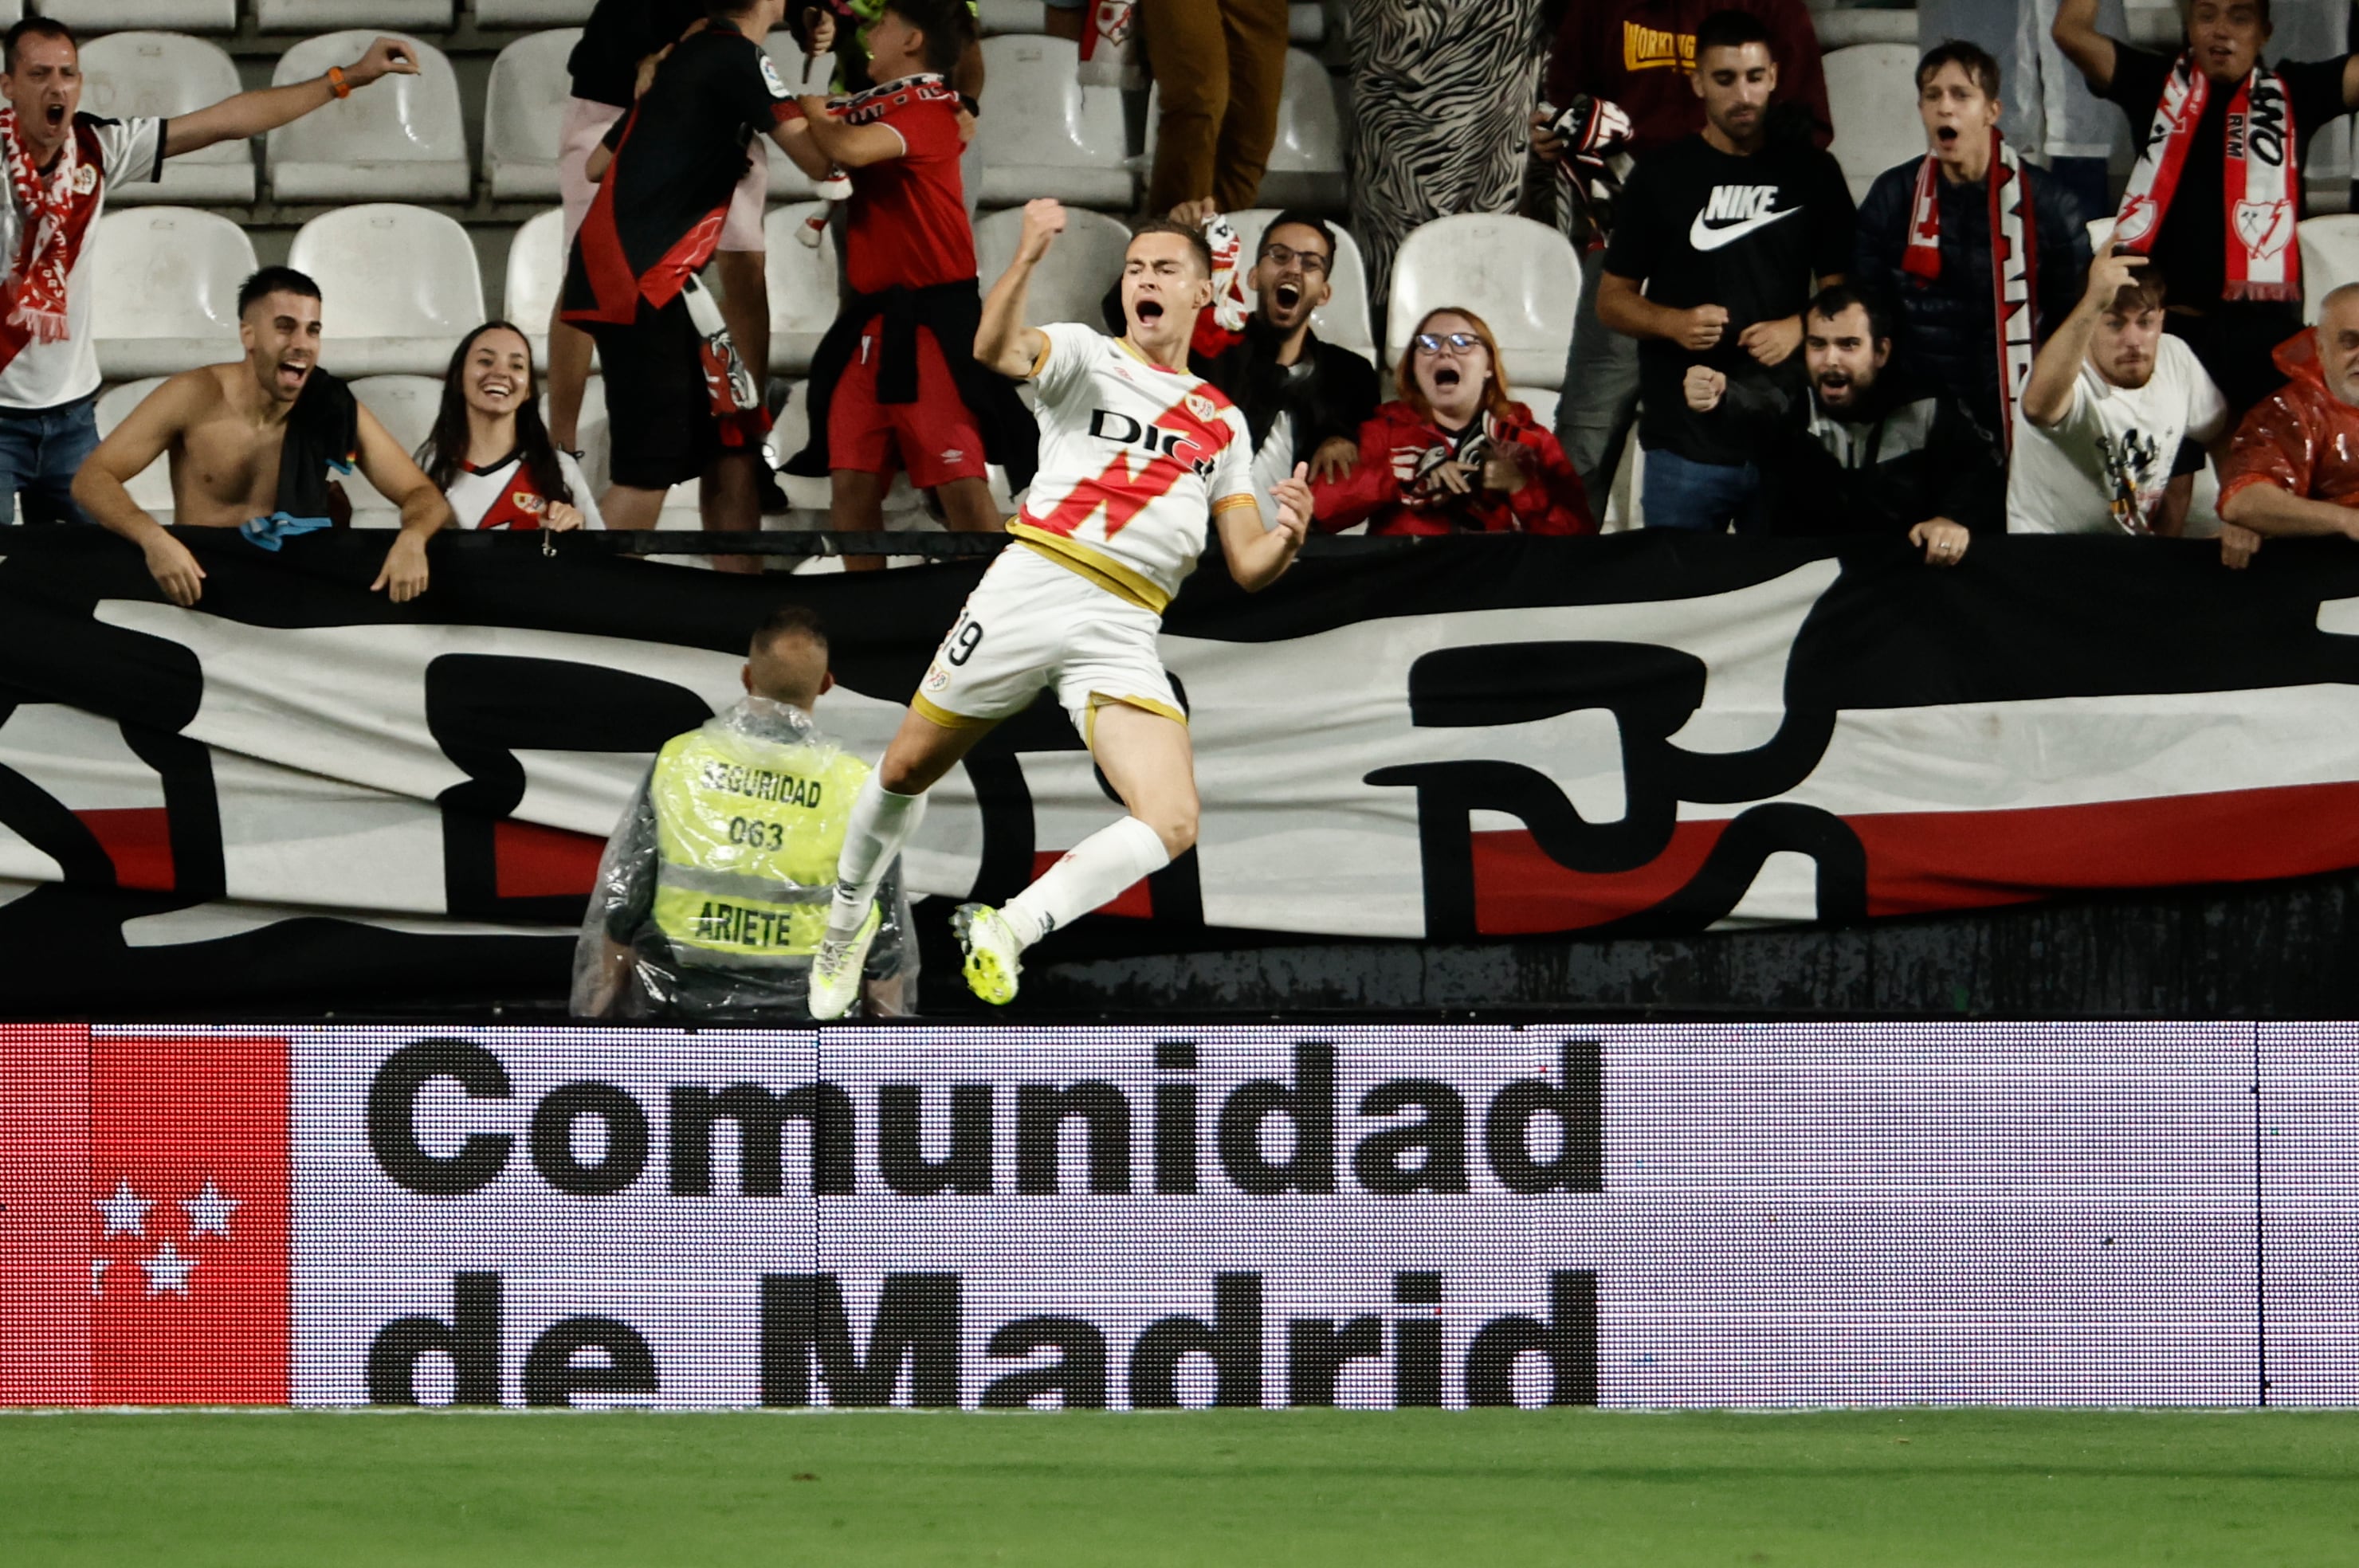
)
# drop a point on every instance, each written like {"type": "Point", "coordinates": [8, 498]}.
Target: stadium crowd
{"type": "Point", "coordinates": [1945, 358]}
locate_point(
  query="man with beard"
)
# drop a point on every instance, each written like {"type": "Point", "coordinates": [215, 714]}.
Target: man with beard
{"type": "Point", "coordinates": [1861, 453]}
{"type": "Point", "coordinates": [251, 446]}
{"type": "Point", "coordinates": [2292, 467]}
{"type": "Point", "coordinates": [1298, 394]}
{"type": "Point", "coordinates": [2217, 145]}
{"type": "Point", "coordinates": [2110, 400]}
{"type": "Point", "coordinates": [1711, 264]}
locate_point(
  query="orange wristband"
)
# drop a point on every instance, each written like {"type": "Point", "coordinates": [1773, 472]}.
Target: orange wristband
{"type": "Point", "coordinates": [336, 83]}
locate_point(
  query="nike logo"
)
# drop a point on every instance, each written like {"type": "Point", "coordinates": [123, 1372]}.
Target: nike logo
{"type": "Point", "coordinates": [1706, 236]}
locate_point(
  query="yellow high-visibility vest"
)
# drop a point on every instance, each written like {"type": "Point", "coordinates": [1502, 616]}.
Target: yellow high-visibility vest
{"type": "Point", "coordinates": [747, 832]}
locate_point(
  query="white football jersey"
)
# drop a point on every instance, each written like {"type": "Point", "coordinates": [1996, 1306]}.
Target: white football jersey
{"type": "Point", "coordinates": [1134, 458]}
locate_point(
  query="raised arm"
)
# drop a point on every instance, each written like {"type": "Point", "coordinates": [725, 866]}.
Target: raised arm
{"type": "Point", "coordinates": [423, 509]}
{"type": "Point", "coordinates": [2076, 34]}
{"type": "Point", "coordinates": [100, 488]}
{"type": "Point", "coordinates": [2048, 395]}
{"type": "Point", "coordinates": [1002, 341]}
{"type": "Point", "coordinates": [267, 108]}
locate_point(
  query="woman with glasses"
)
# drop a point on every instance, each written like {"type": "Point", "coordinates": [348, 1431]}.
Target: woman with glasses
{"type": "Point", "coordinates": [1453, 454]}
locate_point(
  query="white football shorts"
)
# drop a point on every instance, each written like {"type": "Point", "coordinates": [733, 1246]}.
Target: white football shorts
{"type": "Point", "coordinates": [1031, 623]}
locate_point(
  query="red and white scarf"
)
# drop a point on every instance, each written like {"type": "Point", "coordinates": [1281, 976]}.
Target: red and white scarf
{"type": "Point", "coordinates": [2014, 263]}
{"type": "Point", "coordinates": [2262, 166]}
{"type": "Point", "coordinates": [36, 289]}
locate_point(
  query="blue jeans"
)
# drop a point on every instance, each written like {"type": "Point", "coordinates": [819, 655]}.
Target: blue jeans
{"type": "Point", "coordinates": [39, 455]}
{"type": "Point", "coordinates": [1702, 498]}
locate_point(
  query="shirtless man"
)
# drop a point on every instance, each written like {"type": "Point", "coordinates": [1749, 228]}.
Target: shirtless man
{"type": "Point", "coordinates": [225, 426]}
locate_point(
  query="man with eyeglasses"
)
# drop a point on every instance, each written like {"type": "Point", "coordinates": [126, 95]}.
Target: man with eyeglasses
{"type": "Point", "coordinates": [1299, 395]}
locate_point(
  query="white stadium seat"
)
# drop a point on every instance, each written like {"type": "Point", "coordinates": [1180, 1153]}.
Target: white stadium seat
{"type": "Point", "coordinates": [2330, 259]}
{"type": "Point", "coordinates": [401, 287]}
{"type": "Point", "coordinates": [167, 299]}
{"type": "Point", "coordinates": [535, 276]}
{"type": "Point", "coordinates": [398, 138]}
{"type": "Point", "coordinates": [802, 287]}
{"type": "Point", "coordinates": [1343, 320]}
{"type": "Point", "coordinates": [195, 15]}
{"type": "Point", "coordinates": [1020, 16]}
{"type": "Point", "coordinates": [404, 406]}
{"type": "Point", "coordinates": [1072, 283]}
{"type": "Point", "coordinates": [1858, 25]}
{"type": "Point", "coordinates": [1542, 403]}
{"type": "Point", "coordinates": [164, 74]}
{"type": "Point", "coordinates": [532, 13]}
{"type": "Point", "coordinates": [1306, 162]}
{"type": "Point", "coordinates": [151, 488]}
{"type": "Point", "coordinates": [1043, 135]}
{"type": "Point", "coordinates": [1520, 277]}
{"type": "Point", "coordinates": [11, 12]}
{"type": "Point", "coordinates": [286, 15]}
{"type": "Point", "coordinates": [522, 111]}
{"type": "Point", "coordinates": [1306, 21]}
{"type": "Point", "coordinates": [1872, 94]}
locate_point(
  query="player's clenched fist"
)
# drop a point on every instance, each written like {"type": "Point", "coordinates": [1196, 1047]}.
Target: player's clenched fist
{"type": "Point", "coordinates": [1044, 220]}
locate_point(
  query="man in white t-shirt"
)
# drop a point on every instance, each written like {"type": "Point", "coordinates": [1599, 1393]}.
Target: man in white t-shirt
{"type": "Point", "coordinates": [2111, 399]}
{"type": "Point", "coordinates": [1134, 452]}
{"type": "Point", "coordinates": [56, 164]}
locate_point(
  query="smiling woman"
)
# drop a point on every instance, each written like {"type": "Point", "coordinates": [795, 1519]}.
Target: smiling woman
{"type": "Point", "coordinates": [490, 453]}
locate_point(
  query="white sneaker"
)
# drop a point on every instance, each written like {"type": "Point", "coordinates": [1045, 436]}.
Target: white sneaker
{"type": "Point", "coordinates": [835, 972]}
{"type": "Point", "coordinates": [994, 955]}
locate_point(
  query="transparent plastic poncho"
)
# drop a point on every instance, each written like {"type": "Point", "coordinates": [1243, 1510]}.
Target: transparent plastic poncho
{"type": "Point", "coordinates": [709, 898]}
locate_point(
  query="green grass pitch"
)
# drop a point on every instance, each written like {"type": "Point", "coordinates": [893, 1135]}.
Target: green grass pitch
{"type": "Point", "coordinates": [1298, 1489]}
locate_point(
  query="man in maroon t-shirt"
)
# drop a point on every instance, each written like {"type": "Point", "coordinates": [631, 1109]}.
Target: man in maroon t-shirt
{"type": "Point", "coordinates": [889, 385]}
{"type": "Point", "coordinates": [1639, 57]}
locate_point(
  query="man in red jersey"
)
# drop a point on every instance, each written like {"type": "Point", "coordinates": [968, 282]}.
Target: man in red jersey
{"type": "Point", "coordinates": [895, 384]}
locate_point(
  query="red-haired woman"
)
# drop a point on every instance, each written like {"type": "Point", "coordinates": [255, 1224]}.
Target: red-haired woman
{"type": "Point", "coordinates": [1454, 454]}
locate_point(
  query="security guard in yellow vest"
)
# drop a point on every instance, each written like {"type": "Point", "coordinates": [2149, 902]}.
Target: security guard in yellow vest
{"type": "Point", "coordinates": [713, 891]}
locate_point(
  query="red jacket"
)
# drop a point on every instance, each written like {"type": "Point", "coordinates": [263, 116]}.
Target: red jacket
{"type": "Point", "coordinates": [2300, 437]}
{"type": "Point", "coordinates": [1397, 446]}
{"type": "Point", "coordinates": [1639, 53]}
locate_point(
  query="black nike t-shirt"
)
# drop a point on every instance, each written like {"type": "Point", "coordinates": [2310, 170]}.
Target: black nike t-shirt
{"type": "Point", "coordinates": [1699, 226]}
{"type": "Point", "coordinates": [2191, 248]}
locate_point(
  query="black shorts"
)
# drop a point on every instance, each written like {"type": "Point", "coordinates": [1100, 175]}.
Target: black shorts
{"type": "Point", "coordinates": [658, 412]}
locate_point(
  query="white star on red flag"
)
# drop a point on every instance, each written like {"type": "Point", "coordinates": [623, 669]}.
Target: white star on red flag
{"type": "Point", "coordinates": [97, 1271]}
{"type": "Point", "coordinates": [125, 1212]}
{"type": "Point", "coordinates": [209, 1211]}
{"type": "Point", "coordinates": [168, 1270]}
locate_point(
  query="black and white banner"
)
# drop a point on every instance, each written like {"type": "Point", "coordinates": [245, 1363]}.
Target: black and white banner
{"type": "Point", "coordinates": [296, 786]}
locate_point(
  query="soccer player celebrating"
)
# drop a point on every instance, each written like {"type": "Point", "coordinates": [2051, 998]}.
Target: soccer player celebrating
{"type": "Point", "coordinates": [1134, 452]}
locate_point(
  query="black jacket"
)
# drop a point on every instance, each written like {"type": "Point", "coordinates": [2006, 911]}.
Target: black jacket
{"type": "Point", "coordinates": [1329, 390]}
{"type": "Point", "coordinates": [1906, 455]}
{"type": "Point", "coordinates": [1947, 330]}
{"type": "Point", "coordinates": [951, 311]}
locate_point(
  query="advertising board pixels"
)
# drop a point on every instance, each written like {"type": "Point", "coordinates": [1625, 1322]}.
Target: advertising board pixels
{"type": "Point", "coordinates": [1366, 1216]}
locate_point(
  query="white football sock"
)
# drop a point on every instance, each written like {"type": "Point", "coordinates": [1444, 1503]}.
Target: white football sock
{"type": "Point", "coordinates": [881, 823]}
{"type": "Point", "coordinates": [1093, 873]}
